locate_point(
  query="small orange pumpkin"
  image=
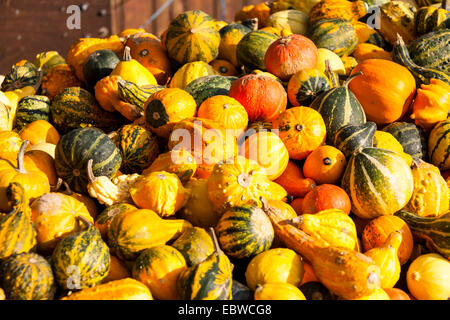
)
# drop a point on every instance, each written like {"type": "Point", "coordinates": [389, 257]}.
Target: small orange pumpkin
{"type": "Point", "coordinates": [224, 68]}
{"type": "Point", "coordinates": [302, 129]}
{"type": "Point", "coordinates": [293, 182]}
{"type": "Point", "coordinates": [326, 196]}
{"type": "Point", "coordinates": [39, 131]}
{"type": "Point", "coordinates": [38, 160]}
{"type": "Point", "coordinates": [364, 51]}
{"type": "Point", "coordinates": [326, 164]}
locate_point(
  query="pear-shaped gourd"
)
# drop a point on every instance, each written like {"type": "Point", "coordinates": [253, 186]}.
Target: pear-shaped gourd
{"type": "Point", "coordinates": [386, 258]}
{"type": "Point", "coordinates": [353, 136]}
{"type": "Point", "coordinates": [211, 279]}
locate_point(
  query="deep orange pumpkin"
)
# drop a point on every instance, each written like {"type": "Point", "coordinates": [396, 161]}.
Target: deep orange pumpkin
{"type": "Point", "coordinates": [326, 164]}
{"type": "Point", "coordinates": [263, 97]}
{"type": "Point", "coordinates": [396, 294]}
{"type": "Point", "coordinates": [326, 196]}
{"type": "Point", "coordinates": [385, 89]}
{"type": "Point", "coordinates": [289, 55]}
{"type": "Point", "coordinates": [293, 182]}
{"type": "Point", "coordinates": [297, 204]}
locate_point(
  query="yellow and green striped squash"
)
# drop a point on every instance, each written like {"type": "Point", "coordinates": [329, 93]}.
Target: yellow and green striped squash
{"type": "Point", "coordinates": [439, 145]}
{"type": "Point", "coordinates": [27, 276]}
{"type": "Point", "coordinates": [244, 231]}
{"type": "Point", "coordinates": [192, 36]}
{"type": "Point", "coordinates": [378, 181]}
{"type": "Point", "coordinates": [105, 217]}
{"type": "Point", "coordinates": [251, 50]}
{"type": "Point", "coordinates": [195, 244]}
{"type": "Point", "coordinates": [81, 260]}
{"type": "Point", "coordinates": [132, 93]}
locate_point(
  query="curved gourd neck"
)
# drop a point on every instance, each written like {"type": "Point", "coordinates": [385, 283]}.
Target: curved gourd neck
{"type": "Point", "coordinates": [20, 164]}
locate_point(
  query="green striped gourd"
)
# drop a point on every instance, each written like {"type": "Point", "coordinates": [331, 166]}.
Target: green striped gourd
{"type": "Point", "coordinates": [208, 86]}
{"type": "Point", "coordinates": [439, 145]}
{"type": "Point", "coordinates": [75, 148]}
{"type": "Point", "coordinates": [230, 35]}
{"type": "Point", "coordinates": [20, 76]}
{"type": "Point", "coordinates": [195, 244]}
{"type": "Point", "coordinates": [138, 148]}
{"type": "Point", "coordinates": [339, 107]}
{"type": "Point", "coordinates": [76, 107]}
{"type": "Point", "coordinates": [351, 137]}
{"type": "Point", "coordinates": [105, 217]}
{"type": "Point", "coordinates": [192, 36]}
{"type": "Point", "coordinates": [378, 181]}
{"type": "Point", "coordinates": [27, 276]}
{"type": "Point", "coordinates": [421, 74]}
{"type": "Point", "coordinates": [82, 259]}
{"type": "Point", "coordinates": [428, 19]}
{"type": "Point", "coordinates": [32, 108]}
{"type": "Point", "coordinates": [244, 231]}
{"type": "Point", "coordinates": [335, 34]}
{"type": "Point", "coordinates": [434, 230]}
{"type": "Point", "coordinates": [423, 3]}
{"type": "Point", "coordinates": [410, 136]}
{"type": "Point", "coordinates": [132, 93]}
{"type": "Point", "coordinates": [208, 280]}
{"type": "Point", "coordinates": [251, 50]}
{"type": "Point", "coordinates": [432, 50]}
{"type": "Point", "coordinates": [17, 233]}
{"type": "Point", "coordinates": [305, 85]}
{"type": "Point", "coordinates": [377, 39]}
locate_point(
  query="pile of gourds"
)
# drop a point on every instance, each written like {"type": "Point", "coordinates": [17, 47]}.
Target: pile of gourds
{"type": "Point", "coordinates": [109, 188]}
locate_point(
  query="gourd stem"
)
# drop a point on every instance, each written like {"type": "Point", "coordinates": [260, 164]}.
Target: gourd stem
{"type": "Point", "coordinates": [353, 76]}
{"type": "Point", "coordinates": [127, 54]}
{"type": "Point", "coordinates": [68, 191]}
{"type": "Point", "coordinates": [20, 165]}
{"type": "Point", "coordinates": [214, 238]}
{"type": "Point", "coordinates": [57, 186]}
{"type": "Point", "coordinates": [85, 221]}
{"type": "Point", "coordinates": [90, 173]}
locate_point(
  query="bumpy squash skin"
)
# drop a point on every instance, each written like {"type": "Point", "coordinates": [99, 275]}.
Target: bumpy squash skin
{"type": "Point", "coordinates": [32, 108]}
{"type": "Point", "coordinates": [438, 143]}
{"type": "Point", "coordinates": [27, 276]}
{"type": "Point", "coordinates": [18, 233]}
{"type": "Point", "coordinates": [81, 260]}
{"type": "Point", "coordinates": [123, 289]}
{"type": "Point", "coordinates": [195, 244]}
{"type": "Point", "coordinates": [244, 231]}
{"type": "Point", "coordinates": [158, 268]}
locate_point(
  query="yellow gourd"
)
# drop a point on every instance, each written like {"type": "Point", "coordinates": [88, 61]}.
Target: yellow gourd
{"type": "Point", "coordinates": [386, 258]}
{"type": "Point", "coordinates": [131, 70]}
{"type": "Point", "coordinates": [278, 291]}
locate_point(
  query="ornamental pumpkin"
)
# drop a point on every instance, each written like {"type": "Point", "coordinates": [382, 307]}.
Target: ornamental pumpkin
{"type": "Point", "coordinates": [125, 33]}
{"type": "Point", "coordinates": [326, 164]}
{"type": "Point", "coordinates": [39, 131]}
{"type": "Point", "coordinates": [198, 209]}
{"type": "Point", "coordinates": [180, 162]}
{"type": "Point", "coordinates": [431, 104]}
{"type": "Point", "coordinates": [430, 197]}
{"type": "Point", "coordinates": [293, 181]}
{"type": "Point", "coordinates": [384, 95]}
{"type": "Point", "coordinates": [195, 244]}
{"type": "Point", "coordinates": [18, 233]}
{"type": "Point", "coordinates": [54, 216]}
{"type": "Point", "coordinates": [117, 270]}
{"type": "Point", "coordinates": [277, 265]}
{"type": "Point", "coordinates": [260, 11]}
{"type": "Point", "coordinates": [263, 97]}
{"type": "Point", "coordinates": [21, 74]}
{"type": "Point", "coordinates": [336, 64]}
{"type": "Point", "coordinates": [104, 219]}
{"type": "Point", "coordinates": [302, 5]}
{"type": "Point", "coordinates": [251, 50]}
{"type": "Point", "coordinates": [302, 130]}
{"type": "Point", "coordinates": [225, 110]}
{"type": "Point", "coordinates": [192, 36]}
{"type": "Point", "coordinates": [190, 72]}
{"type": "Point", "coordinates": [47, 60]}
{"type": "Point", "coordinates": [411, 137]}
{"type": "Point", "coordinates": [385, 140]}
{"type": "Point", "coordinates": [158, 268]}
{"type": "Point", "coordinates": [57, 79]}
{"type": "Point", "coordinates": [353, 136]}
{"type": "Point", "coordinates": [82, 259]}
{"type": "Point", "coordinates": [378, 181]}
{"type": "Point", "coordinates": [268, 150]}
{"type": "Point", "coordinates": [427, 277]}
{"type": "Point", "coordinates": [148, 51]}
{"type": "Point", "coordinates": [326, 196]}
{"type": "Point", "coordinates": [27, 276]}
{"type": "Point", "coordinates": [32, 108]}
{"type": "Point", "coordinates": [10, 145]}
{"type": "Point", "coordinates": [208, 86]}
{"type": "Point", "coordinates": [377, 230]}
{"type": "Point", "coordinates": [397, 17]}
{"type": "Point", "coordinates": [159, 191]}
{"type": "Point", "coordinates": [230, 35]}
{"type": "Point", "coordinates": [290, 54]}
{"type": "Point", "coordinates": [167, 107]}
{"type": "Point", "coordinates": [438, 143]}
{"type": "Point", "coordinates": [378, 294]}
{"type": "Point", "coordinates": [134, 230]}
{"type": "Point", "coordinates": [386, 258]}
{"type": "Point", "coordinates": [80, 50]}
{"type": "Point", "coordinates": [364, 51]}
{"type": "Point", "coordinates": [348, 10]}
{"type": "Point", "coordinates": [291, 21]}
{"type": "Point", "coordinates": [34, 183]}
{"type": "Point", "coordinates": [131, 70]}
{"type": "Point", "coordinates": [224, 67]}
{"type": "Point", "coordinates": [244, 231]}
{"type": "Point", "coordinates": [305, 85]}
{"type": "Point", "coordinates": [397, 294]}
{"type": "Point", "coordinates": [74, 150]}
{"type": "Point", "coordinates": [278, 291]}
{"type": "Point", "coordinates": [38, 160]}
{"type": "Point", "coordinates": [98, 65]}
{"type": "Point", "coordinates": [236, 182]}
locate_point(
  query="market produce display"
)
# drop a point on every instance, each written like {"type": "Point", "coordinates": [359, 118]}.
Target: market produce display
{"type": "Point", "coordinates": [295, 153]}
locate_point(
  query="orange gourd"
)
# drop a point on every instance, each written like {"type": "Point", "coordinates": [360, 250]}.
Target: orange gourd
{"type": "Point", "coordinates": [364, 51]}
{"type": "Point", "coordinates": [326, 164]}
{"type": "Point", "coordinates": [224, 67]}
{"type": "Point", "coordinates": [432, 104]}
{"type": "Point", "coordinates": [397, 294]}
{"type": "Point", "coordinates": [385, 89]}
{"type": "Point", "coordinates": [293, 181]}
{"type": "Point", "coordinates": [39, 131]}
{"type": "Point", "coordinates": [326, 196]}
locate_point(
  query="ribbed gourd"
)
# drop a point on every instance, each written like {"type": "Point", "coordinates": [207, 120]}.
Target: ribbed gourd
{"type": "Point", "coordinates": [378, 181]}
{"type": "Point", "coordinates": [195, 244]}
{"type": "Point", "coordinates": [438, 144]}
{"type": "Point", "coordinates": [81, 260]}
{"type": "Point", "coordinates": [351, 137]}
{"type": "Point", "coordinates": [208, 86]}
{"type": "Point", "coordinates": [208, 280]}
{"type": "Point", "coordinates": [32, 108]}
{"type": "Point", "coordinates": [305, 85]}
{"type": "Point", "coordinates": [136, 95]}
{"type": "Point", "coordinates": [251, 50]}
{"type": "Point", "coordinates": [410, 136]}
